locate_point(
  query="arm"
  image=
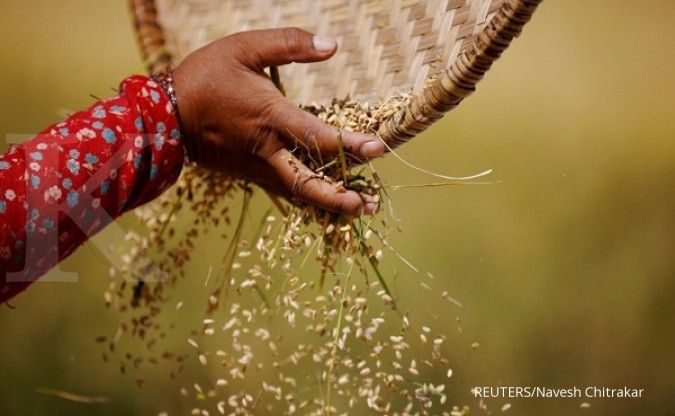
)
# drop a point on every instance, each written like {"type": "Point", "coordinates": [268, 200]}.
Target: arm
{"type": "Point", "coordinates": [64, 185]}
{"type": "Point", "coordinates": [67, 183]}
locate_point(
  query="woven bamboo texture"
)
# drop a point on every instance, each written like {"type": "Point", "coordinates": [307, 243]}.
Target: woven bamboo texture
{"type": "Point", "coordinates": [438, 50]}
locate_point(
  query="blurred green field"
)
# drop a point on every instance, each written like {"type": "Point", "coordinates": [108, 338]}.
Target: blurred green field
{"type": "Point", "coordinates": [565, 269]}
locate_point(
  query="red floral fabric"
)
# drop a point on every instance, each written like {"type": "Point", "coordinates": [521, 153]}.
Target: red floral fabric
{"type": "Point", "coordinates": [67, 183]}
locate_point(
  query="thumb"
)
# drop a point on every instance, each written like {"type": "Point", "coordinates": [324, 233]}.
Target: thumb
{"type": "Point", "coordinates": [274, 47]}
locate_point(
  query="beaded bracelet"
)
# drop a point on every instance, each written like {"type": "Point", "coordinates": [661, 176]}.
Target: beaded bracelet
{"type": "Point", "coordinates": [165, 80]}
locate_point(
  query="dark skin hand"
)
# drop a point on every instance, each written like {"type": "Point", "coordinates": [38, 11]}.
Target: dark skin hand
{"type": "Point", "coordinates": [236, 120]}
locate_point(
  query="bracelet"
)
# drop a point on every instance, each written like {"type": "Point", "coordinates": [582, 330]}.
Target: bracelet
{"type": "Point", "coordinates": [165, 80]}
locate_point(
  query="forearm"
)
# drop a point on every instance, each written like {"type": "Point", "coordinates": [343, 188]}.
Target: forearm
{"type": "Point", "coordinates": [67, 183]}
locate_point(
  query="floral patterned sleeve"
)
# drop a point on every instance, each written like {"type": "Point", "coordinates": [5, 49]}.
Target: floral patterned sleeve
{"type": "Point", "coordinates": [67, 183]}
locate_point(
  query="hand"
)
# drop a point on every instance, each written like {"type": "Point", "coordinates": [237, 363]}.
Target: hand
{"type": "Point", "coordinates": [235, 119]}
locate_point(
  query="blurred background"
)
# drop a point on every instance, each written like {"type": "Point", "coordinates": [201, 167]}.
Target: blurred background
{"type": "Point", "coordinates": [565, 269]}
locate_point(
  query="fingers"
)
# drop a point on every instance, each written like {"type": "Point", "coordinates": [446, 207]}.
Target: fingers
{"type": "Point", "coordinates": [318, 137]}
{"type": "Point", "coordinates": [275, 47]}
{"type": "Point", "coordinates": [258, 171]}
{"type": "Point", "coordinates": [306, 186]}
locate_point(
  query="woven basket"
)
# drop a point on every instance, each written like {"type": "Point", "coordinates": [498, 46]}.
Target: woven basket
{"type": "Point", "coordinates": [387, 47]}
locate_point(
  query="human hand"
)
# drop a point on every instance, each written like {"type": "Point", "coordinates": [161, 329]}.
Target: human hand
{"type": "Point", "coordinates": [236, 120]}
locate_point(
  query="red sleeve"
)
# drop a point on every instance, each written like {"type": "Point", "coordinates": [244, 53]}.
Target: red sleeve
{"type": "Point", "coordinates": [67, 183]}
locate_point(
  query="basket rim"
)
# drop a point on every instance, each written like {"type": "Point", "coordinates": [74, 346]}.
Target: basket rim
{"type": "Point", "coordinates": [446, 92]}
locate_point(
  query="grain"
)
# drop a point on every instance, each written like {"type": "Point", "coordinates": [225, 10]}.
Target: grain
{"type": "Point", "coordinates": [339, 341]}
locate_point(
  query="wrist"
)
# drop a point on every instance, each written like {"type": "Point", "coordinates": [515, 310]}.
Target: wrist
{"type": "Point", "coordinates": [167, 81]}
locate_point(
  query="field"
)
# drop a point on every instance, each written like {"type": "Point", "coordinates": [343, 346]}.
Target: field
{"type": "Point", "coordinates": [564, 269]}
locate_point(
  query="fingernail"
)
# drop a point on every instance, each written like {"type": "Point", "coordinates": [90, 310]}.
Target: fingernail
{"type": "Point", "coordinates": [324, 43]}
{"type": "Point", "coordinates": [372, 149]}
{"type": "Point", "coordinates": [369, 208]}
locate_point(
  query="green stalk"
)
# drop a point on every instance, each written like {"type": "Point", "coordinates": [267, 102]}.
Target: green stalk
{"type": "Point", "coordinates": [276, 79]}
{"type": "Point", "coordinates": [342, 157]}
